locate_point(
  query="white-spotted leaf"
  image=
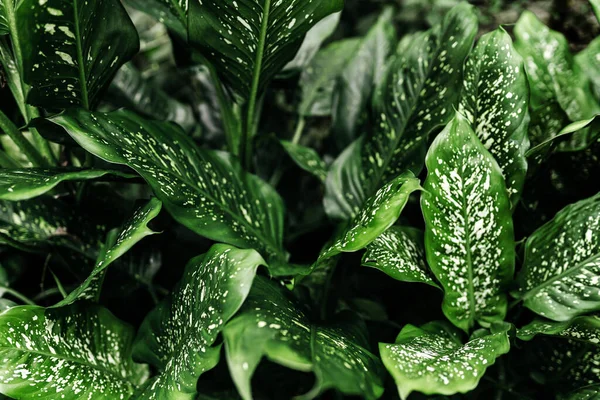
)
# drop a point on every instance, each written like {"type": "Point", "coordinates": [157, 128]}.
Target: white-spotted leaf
{"type": "Point", "coordinates": [584, 329]}
{"type": "Point", "coordinates": [306, 158]}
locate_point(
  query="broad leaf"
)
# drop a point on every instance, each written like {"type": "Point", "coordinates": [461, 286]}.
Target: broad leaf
{"type": "Point", "coordinates": [378, 213]}
{"type": "Point", "coordinates": [177, 337]}
{"type": "Point", "coordinates": [399, 252]}
{"type": "Point", "coordinates": [469, 236]}
{"type": "Point", "coordinates": [417, 95]}
{"type": "Point", "coordinates": [306, 158]}
{"type": "Point", "coordinates": [433, 360]}
{"type": "Point", "coordinates": [206, 191]}
{"type": "Point", "coordinates": [591, 392]}
{"type": "Point", "coordinates": [249, 41]}
{"type": "Point", "coordinates": [584, 329]}
{"type": "Point", "coordinates": [589, 62]}
{"type": "Point", "coordinates": [172, 13]}
{"type": "Point", "coordinates": [559, 278]}
{"type": "Point", "coordinates": [24, 184]}
{"type": "Point", "coordinates": [272, 326]}
{"type": "Point", "coordinates": [495, 100]}
{"type": "Point", "coordinates": [76, 352]}
{"type": "Point", "coordinates": [72, 49]}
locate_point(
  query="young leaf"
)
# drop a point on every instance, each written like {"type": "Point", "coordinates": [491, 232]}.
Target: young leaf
{"type": "Point", "coordinates": [432, 359]}
{"type": "Point", "coordinates": [584, 329]}
{"type": "Point", "coordinates": [271, 325]}
{"type": "Point", "coordinates": [24, 184]}
{"type": "Point", "coordinates": [177, 336]}
{"type": "Point", "coordinates": [72, 49]}
{"type": "Point", "coordinates": [77, 352]}
{"type": "Point", "coordinates": [306, 158]}
{"type": "Point", "coordinates": [559, 278]}
{"type": "Point", "coordinates": [495, 101]}
{"type": "Point", "coordinates": [469, 236]}
{"type": "Point", "coordinates": [399, 252]}
{"type": "Point", "coordinates": [205, 190]}
{"type": "Point", "coordinates": [416, 95]}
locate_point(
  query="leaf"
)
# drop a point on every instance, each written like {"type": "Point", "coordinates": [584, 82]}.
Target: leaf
{"type": "Point", "coordinates": [399, 252]}
{"type": "Point", "coordinates": [177, 336]}
{"type": "Point", "coordinates": [306, 158]}
{"type": "Point", "coordinates": [249, 41]}
{"type": "Point", "coordinates": [415, 96]}
{"type": "Point", "coordinates": [72, 49]}
{"type": "Point", "coordinates": [81, 351]}
{"type": "Point", "coordinates": [559, 277]}
{"type": "Point", "coordinates": [588, 61]}
{"type": "Point", "coordinates": [432, 359]}
{"type": "Point", "coordinates": [133, 231]}
{"type": "Point", "coordinates": [469, 237]}
{"type": "Point", "coordinates": [596, 7]}
{"type": "Point", "coordinates": [378, 213]}
{"type": "Point", "coordinates": [4, 24]}
{"type": "Point", "coordinates": [584, 329]}
{"type": "Point", "coordinates": [204, 190]}
{"type": "Point", "coordinates": [495, 101]}
{"type": "Point", "coordinates": [172, 13]}
{"type": "Point", "coordinates": [591, 392]}
{"type": "Point", "coordinates": [271, 325]}
{"type": "Point", "coordinates": [24, 184]}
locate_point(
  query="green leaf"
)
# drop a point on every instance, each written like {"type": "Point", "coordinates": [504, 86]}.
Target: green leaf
{"type": "Point", "coordinates": [76, 352]}
{"type": "Point", "coordinates": [469, 237]}
{"type": "Point", "coordinates": [495, 101]}
{"type": "Point", "coordinates": [589, 61]}
{"type": "Point", "coordinates": [249, 41]}
{"type": "Point", "coordinates": [591, 392]}
{"type": "Point", "coordinates": [4, 27]}
{"type": "Point", "coordinates": [205, 190]}
{"type": "Point", "coordinates": [433, 360]}
{"type": "Point", "coordinates": [177, 336]}
{"type": "Point", "coordinates": [417, 95]}
{"type": "Point", "coordinates": [377, 214]}
{"type": "Point", "coordinates": [172, 13]}
{"type": "Point", "coordinates": [72, 49]}
{"type": "Point", "coordinates": [271, 325]}
{"type": "Point", "coordinates": [399, 252]}
{"type": "Point", "coordinates": [306, 158]}
{"type": "Point", "coordinates": [584, 329]}
{"type": "Point", "coordinates": [559, 278]}
{"type": "Point", "coordinates": [24, 184]}
{"type": "Point", "coordinates": [596, 7]}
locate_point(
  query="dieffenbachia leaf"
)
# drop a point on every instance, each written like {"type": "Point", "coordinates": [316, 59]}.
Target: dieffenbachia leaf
{"type": "Point", "coordinates": [585, 329]}
{"type": "Point", "coordinates": [205, 190]}
{"type": "Point", "coordinates": [559, 278]}
{"type": "Point", "coordinates": [589, 61]}
{"type": "Point", "coordinates": [306, 158]}
{"type": "Point", "coordinates": [495, 100]}
{"type": "Point", "coordinates": [433, 360]}
{"type": "Point", "coordinates": [24, 184]}
{"type": "Point", "coordinates": [4, 27]}
{"type": "Point", "coordinates": [416, 96]}
{"type": "Point", "coordinates": [399, 252]}
{"type": "Point", "coordinates": [132, 232]}
{"type": "Point", "coordinates": [378, 213]}
{"type": "Point", "coordinates": [74, 353]}
{"type": "Point", "coordinates": [249, 41]}
{"type": "Point", "coordinates": [172, 13]}
{"type": "Point", "coordinates": [551, 70]}
{"type": "Point", "coordinates": [469, 237]}
{"type": "Point", "coordinates": [272, 326]}
{"type": "Point", "coordinates": [596, 7]}
{"type": "Point", "coordinates": [591, 392]}
{"type": "Point", "coordinates": [177, 336]}
{"type": "Point", "coordinates": [72, 49]}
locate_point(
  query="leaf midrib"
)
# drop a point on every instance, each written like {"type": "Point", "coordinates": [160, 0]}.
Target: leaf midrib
{"type": "Point", "coordinates": [471, 291]}
{"type": "Point", "coordinates": [80, 64]}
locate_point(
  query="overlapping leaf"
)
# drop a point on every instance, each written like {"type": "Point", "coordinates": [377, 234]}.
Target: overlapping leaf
{"type": "Point", "coordinates": [469, 236]}
{"type": "Point", "coordinates": [584, 329]}
{"type": "Point", "coordinates": [306, 158]}
{"type": "Point", "coordinates": [177, 337]}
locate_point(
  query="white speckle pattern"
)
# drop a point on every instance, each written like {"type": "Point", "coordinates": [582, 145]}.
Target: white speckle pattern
{"type": "Point", "coordinates": [307, 159]}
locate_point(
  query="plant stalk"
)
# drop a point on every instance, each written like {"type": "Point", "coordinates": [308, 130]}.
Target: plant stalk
{"type": "Point", "coordinates": [299, 129]}
{"type": "Point", "coordinates": [17, 295]}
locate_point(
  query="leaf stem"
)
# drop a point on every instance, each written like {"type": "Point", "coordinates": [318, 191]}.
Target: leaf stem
{"type": "Point", "coordinates": [6, 161]}
{"type": "Point", "coordinates": [17, 137]}
{"type": "Point", "coordinates": [17, 295]}
{"type": "Point", "coordinates": [82, 74]}
{"type": "Point", "coordinates": [299, 129]}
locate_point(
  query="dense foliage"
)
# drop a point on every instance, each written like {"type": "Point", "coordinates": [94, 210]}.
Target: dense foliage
{"type": "Point", "coordinates": [191, 192]}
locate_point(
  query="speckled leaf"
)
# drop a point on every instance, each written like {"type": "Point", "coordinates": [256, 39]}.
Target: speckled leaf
{"type": "Point", "coordinates": [584, 329]}
{"type": "Point", "coordinates": [306, 158]}
{"type": "Point", "coordinates": [417, 95]}
{"type": "Point", "coordinates": [76, 352]}
{"type": "Point", "coordinates": [551, 69]}
{"type": "Point", "coordinates": [469, 237]}
{"type": "Point", "coordinates": [24, 184]}
{"type": "Point", "coordinates": [377, 214]}
{"type": "Point", "coordinates": [72, 49]}
{"type": "Point", "coordinates": [399, 252]}
{"type": "Point", "coordinates": [172, 13]}
{"type": "Point", "coordinates": [589, 61]}
{"type": "Point", "coordinates": [432, 359]}
{"type": "Point", "coordinates": [495, 100]}
{"type": "Point", "coordinates": [272, 326]}
{"type": "Point", "coordinates": [205, 190]}
{"type": "Point", "coordinates": [249, 41]}
{"type": "Point", "coordinates": [560, 275]}
{"type": "Point", "coordinates": [591, 392]}
{"type": "Point", "coordinates": [177, 336]}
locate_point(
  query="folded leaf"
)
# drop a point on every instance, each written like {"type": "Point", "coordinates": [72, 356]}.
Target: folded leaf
{"type": "Point", "coordinates": [433, 360]}
{"type": "Point", "coordinates": [177, 337]}
{"type": "Point", "coordinates": [271, 325]}
{"type": "Point", "coordinates": [77, 352]}
{"type": "Point", "coordinates": [559, 278]}
{"type": "Point", "coordinates": [306, 158]}
{"type": "Point", "coordinates": [469, 236]}
{"type": "Point", "coordinates": [584, 329]}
